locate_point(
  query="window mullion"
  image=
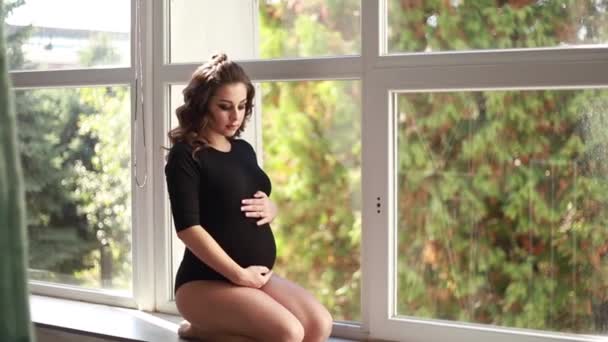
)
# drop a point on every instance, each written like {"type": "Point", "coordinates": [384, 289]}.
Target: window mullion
{"type": "Point", "coordinates": [160, 105]}
{"type": "Point", "coordinates": [494, 57]}
{"type": "Point", "coordinates": [373, 179]}
{"type": "Point", "coordinates": [144, 257]}
{"type": "Point", "coordinates": [497, 76]}
{"type": "Point", "coordinates": [334, 68]}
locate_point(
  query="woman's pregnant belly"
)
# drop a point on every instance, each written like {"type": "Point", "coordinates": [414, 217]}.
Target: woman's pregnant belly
{"type": "Point", "coordinates": [247, 243]}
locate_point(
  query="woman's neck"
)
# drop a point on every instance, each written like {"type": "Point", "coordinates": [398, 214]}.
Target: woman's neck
{"type": "Point", "coordinates": [217, 140]}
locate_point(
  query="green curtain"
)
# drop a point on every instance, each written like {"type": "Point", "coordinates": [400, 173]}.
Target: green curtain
{"type": "Point", "coordinates": [15, 323]}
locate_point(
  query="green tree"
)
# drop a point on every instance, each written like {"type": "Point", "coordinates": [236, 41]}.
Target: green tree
{"type": "Point", "coordinates": [312, 149]}
{"type": "Point", "coordinates": [104, 186]}
{"type": "Point", "coordinates": [77, 183]}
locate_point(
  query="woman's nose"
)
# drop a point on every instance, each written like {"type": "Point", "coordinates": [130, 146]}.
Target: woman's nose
{"type": "Point", "coordinates": [234, 114]}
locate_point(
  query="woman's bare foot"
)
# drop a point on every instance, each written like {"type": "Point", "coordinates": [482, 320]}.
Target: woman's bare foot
{"type": "Point", "coordinates": [186, 331]}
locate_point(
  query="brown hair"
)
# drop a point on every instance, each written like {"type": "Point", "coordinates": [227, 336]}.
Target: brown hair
{"type": "Point", "coordinates": [193, 115]}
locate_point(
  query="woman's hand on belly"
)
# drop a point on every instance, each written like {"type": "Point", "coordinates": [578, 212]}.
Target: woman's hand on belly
{"type": "Point", "coordinates": [259, 207]}
{"type": "Point", "coordinates": [253, 276]}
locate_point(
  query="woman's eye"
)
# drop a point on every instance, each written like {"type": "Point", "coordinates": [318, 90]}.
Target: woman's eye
{"type": "Point", "coordinates": [241, 107]}
{"type": "Point", "coordinates": [224, 107]}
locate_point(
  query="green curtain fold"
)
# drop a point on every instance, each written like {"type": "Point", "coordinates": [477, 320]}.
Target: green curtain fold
{"type": "Point", "coordinates": [15, 323]}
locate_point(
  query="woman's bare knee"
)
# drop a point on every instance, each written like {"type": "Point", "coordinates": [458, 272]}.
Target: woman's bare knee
{"type": "Point", "coordinates": [289, 330]}
{"type": "Point", "coordinates": [318, 327]}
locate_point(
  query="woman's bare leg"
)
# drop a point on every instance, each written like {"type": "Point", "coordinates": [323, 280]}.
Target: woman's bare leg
{"type": "Point", "coordinates": [316, 320]}
{"type": "Point", "coordinates": [221, 310]}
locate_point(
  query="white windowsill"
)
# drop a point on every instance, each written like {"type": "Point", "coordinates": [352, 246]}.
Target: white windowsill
{"type": "Point", "coordinates": [104, 321]}
{"type": "Point", "coordinates": [99, 320]}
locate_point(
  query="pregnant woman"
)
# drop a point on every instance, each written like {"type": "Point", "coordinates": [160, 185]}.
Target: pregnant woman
{"type": "Point", "coordinates": [225, 288]}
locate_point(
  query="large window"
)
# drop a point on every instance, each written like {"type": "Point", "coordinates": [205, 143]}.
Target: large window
{"type": "Point", "coordinates": [75, 141]}
{"type": "Point", "coordinates": [307, 133]}
{"type": "Point", "coordinates": [439, 166]}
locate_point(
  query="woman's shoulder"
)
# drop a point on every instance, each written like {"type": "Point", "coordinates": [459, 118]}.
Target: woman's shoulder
{"type": "Point", "coordinates": [180, 146]}
{"type": "Point", "coordinates": [181, 151]}
{"type": "Point", "coordinates": [244, 143]}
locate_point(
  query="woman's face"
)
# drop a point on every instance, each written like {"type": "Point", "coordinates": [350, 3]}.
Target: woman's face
{"type": "Point", "coordinates": [227, 109]}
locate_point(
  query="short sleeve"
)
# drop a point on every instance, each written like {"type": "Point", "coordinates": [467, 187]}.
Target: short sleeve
{"type": "Point", "coordinates": [183, 175]}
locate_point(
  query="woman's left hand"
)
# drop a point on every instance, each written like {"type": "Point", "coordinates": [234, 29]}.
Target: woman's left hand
{"type": "Point", "coordinates": [260, 207]}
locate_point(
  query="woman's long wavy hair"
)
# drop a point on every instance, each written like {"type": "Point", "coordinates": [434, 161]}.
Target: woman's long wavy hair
{"type": "Point", "coordinates": [193, 115]}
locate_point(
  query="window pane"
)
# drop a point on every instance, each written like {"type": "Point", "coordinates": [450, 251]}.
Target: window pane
{"type": "Point", "coordinates": [427, 26]}
{"type": "Point", "coordinates": [75, 152]}
{"type": "Point", "coordinates": [275, 29]}
{"type": "Point", "coordinates": [41, 36]}
{"type": "Point", "coordinates": [502, 208]}
{"type": "Point", "coordinates": [312, 154]}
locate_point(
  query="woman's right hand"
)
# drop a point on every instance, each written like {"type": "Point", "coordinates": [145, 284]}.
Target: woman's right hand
{"type": "Point", "coordinates": [253, 276]}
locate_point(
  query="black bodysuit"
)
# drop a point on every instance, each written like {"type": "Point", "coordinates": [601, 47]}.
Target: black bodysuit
{"type": "Point", "coordinates": [208, 192]}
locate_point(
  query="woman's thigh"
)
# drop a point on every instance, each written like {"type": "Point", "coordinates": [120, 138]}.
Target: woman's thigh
{"type": "Point", "coordinates": [217, 307]}
{"type": "Point", "coordinates": [316, 320]}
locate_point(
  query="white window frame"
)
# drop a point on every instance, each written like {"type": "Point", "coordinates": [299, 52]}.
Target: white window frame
{"type": "Point", "coordinates": [165, 74]}
{"type": "Point", "coordinates": [384, 76]}
{"type": "Point", "coordinates": [381, 75]}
